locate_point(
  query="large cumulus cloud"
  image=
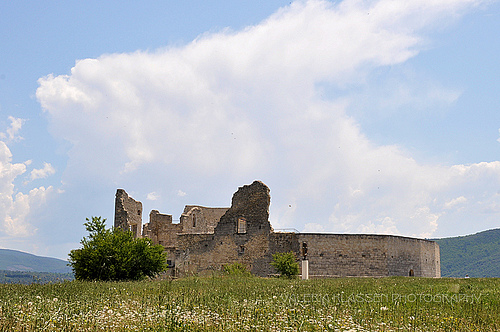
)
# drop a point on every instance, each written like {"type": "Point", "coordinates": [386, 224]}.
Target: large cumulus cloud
{"type": "Point", "coordinates": [270, 102]}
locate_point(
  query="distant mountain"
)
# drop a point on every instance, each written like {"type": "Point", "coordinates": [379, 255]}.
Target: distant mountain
{"type": "Point", "coordinates": [13, 260]}
{"type": "Point", "coordinates": [476, 255]}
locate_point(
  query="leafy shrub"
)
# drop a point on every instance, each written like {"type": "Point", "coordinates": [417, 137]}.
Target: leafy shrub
{"type": "Point", "coordinates": [286, 264]}
{"type": "Point", "coordinates": [115, 255]}
{"type": "Point", "coordinates": [236, 269]}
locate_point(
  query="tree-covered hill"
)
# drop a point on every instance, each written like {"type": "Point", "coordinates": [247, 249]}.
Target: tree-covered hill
{"type": "Point", "coordinates": [476, 255]}
{"type": "Point", "coordinates": [26, 278]}
{"type": "Point", "coordinates": [13, 260]}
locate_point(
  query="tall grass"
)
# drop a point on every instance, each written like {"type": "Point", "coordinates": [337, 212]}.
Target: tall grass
{"type": "Point", "coordinates": [254, 304]}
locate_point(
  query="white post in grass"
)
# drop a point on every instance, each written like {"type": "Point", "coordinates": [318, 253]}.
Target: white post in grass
{"type": "Point", "coordinates": [305, 269]}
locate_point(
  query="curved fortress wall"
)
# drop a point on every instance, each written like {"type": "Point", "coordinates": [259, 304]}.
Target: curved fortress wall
{"type": "Point", "coordinates": [206, 239]}
{"type": "Point", "coordinates": [370, 255]}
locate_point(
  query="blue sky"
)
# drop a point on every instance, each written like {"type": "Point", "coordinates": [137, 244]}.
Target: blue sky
{"type": "Point", "coordinates": [361, 116]}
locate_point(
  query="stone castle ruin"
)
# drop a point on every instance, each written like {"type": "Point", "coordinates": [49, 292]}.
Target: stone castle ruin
{"type": "Point", "coordinates": [205, 239]}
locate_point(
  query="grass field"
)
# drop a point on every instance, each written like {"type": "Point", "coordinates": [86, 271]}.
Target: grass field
{"type": "Point", "coordinates": [255, 304]}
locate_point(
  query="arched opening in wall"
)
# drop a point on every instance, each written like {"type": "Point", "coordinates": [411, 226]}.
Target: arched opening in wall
{"type": "Point", "coordinates": [138, 212]}
{"type": "Point", "coordinates": [411, 273]}
{"type": "Point", "coordinates": [304, 250]}
{"type": "Point", "coordinates": [194, 220]}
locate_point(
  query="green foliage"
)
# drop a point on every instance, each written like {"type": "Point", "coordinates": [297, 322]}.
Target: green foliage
{"type": "Point", "coordinates": [476, 255]}
{"type": "Point", "coordinates": [236, 269]}
{"type": "Point", "coordinates": [286, 264]}
{"type": "Point", "coordinates": [115, 255]}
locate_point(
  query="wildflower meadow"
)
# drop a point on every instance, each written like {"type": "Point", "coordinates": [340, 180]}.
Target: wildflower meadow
{"type": "Point", "coordinates": [227, 303]}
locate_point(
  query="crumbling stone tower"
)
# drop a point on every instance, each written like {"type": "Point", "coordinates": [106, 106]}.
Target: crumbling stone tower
{"type": "Point", "coordinates": [128, 213]}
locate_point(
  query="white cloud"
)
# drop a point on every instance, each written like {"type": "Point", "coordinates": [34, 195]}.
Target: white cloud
{"type": "Point", "coordinates": [153, 196]}
{"type": "Point", "coordinates": [313, 228]}
{"type": "Point", "coordinates": [11, 134]}
{"type": "Point", "coordinates": [454, 202]}
{"type": "Point", "coordinates": [9, 171]}
{"type": "Point", "coordinates": [235, 106]}
{"type": "Point", "coordinates": [403, 91]}
{"type": "Point", "coordinates": [16, 206]}
{"type": "Point", "coordinates": [44, 172]}
{"type": "Point", "coordinates": [386, 226]}
{"type": "Point", "coordinates": [180, 193]}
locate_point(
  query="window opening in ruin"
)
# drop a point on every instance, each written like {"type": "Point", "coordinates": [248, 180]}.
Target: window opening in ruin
{"type": "Point", "coordinates": [194, 220]}
{"type": "Point", "coordinates": [304, 250]}
{"type": "Point", "coordinates": [242, 225]}
{"type": "Point", "coordinates": [138, 212]}
{"type": "Point", "coordinates": [411, 273]}
{"type": "Point", "coordinates": [242, 250]}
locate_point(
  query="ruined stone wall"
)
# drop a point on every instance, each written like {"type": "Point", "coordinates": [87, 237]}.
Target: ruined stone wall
{"type": "Point", "coordinates": [194, 254]}
{"type": "Point", "coordinates": [435, 265]}
{"type": "Point", "coordinates": [430, 259]}
{"type": "Point", "coordinates": [242, 235]}
{"type": "Point", "coordinates": [329, 255]}
{"type": "Point", "coordinates": [249, 212]}
{"type": "Point", "coordinates": [128, 213]}
{"type": "Point", "coordinates": [161, 230]}
{"type": "Point", "coordinates": [370, 255]}
{"type": "Point", "coordinates": [403, 257]}
{"type": "Point", "coordinates": [204, 253]}
{"type": "Point", "coordinates": [206, 239]}
{"type": "Point", "coordinates": [280, 243]}
{"type": "Point", "coordinates": [412, 257]}
{"type": "Point", "coordinates": [200, 220]}
{"type": "Point", "coordinates": [345, 254]}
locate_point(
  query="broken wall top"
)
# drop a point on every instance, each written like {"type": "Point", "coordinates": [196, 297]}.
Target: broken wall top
{"type": "Point", "coordinates": [251, 204]}
{"type": "Point", "coordinates": [128, 211]}
{"type": "Point", "coordinates": [200, 220]}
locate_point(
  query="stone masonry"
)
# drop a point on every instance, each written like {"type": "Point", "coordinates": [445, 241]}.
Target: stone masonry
{"type": "Point", "coordinates": [128, 213]}
{"type": "Point", "coordinates": [206, 239]}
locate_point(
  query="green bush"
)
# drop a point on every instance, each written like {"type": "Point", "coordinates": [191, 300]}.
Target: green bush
{"type": "Point", "coordinates": [236, 269]}
{"type": "Point", "coordinates": [286, 264]}
{"type": "Point", "coordinates": [115, 255]}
